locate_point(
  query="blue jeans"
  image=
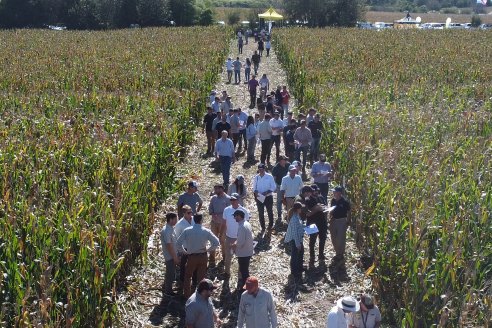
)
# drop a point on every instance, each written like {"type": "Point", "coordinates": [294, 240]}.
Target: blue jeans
{"type": "Point", "coordinates": [296, 260]}
{"type": "Point", "coordinates": [279, 202]}
{"type": "Point", "coordinates": [237, 76]}
{"type": "Point", "coordinates": [315, 149]}
{"type": "Point", "coordinates": [304, 151]}
{"type": "Point", "coordinates": [225, 168]}
{"type": "Point", "coordinates": [247, 73]}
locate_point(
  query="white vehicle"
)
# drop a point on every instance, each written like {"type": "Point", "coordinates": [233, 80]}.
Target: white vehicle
{"type": "Point", "coordinates": [382, 25]}
{"type": "Point", "coordinates": [432, 26]}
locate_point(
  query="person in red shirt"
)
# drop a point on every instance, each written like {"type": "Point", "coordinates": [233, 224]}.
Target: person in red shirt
{"type": "Point", "coordinates": [285, 99]}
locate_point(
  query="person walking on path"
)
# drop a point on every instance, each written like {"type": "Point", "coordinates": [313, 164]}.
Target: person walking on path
{"type": "Point", "coordinates": [265, 133]}
{"type": "Point", "coordinates": [252, 88]}
{"type": "Point", "coordinates": [264, 83]}
{"type": "Point", "coordinates": [231, 230]}
{"type": "Point", "coordinates": [368, 316]}
{"type": "Point", "coordinates": [247, 70]}
{"type": "Point", "coordinates": [277, 126]}
{"type": "Point", "coordinates": [268, 46]}
{"type": "Point", "coordinates": [322, 173]}
{"type": "Point", "coordinates": [339, 222]}
{"type": "Point", "coordinates": [303, 139]}
{"type": "Point", "coordinates": [290, 187]}
{"type": "Point", "coordinates": [223, 125]}
{"type": "Point", "coordinates": [316, 127]}
{"type": "Point", "coordinates": [199, 309]}
{"type": "Point", "coordinates": [190, 197]}
{"type": "Point", "coordinates": [239, 188]}
{"type": "Point", "coordinates": [243, 118]}
{"type": "Point", "coordinates": [279, 171]}
{"type": "Point", "coordinates": [251, 136]}
{"type": "Point", "coordinates": [289, 142]}
{"type": "Point", "coordinates": [336, 317]}
{"type": "Point", "coordinates": [208, 121]}
{"type": "Point", "coordinates": [263, 187]}
{"type": "Point", "coordinates": [285, 100]}
{"type": "Point", "coordinates": [230, 68]}
{"type": "Point", "coordinates": [294, 236]}
{"type": "Point", "coordinates": [226, 105]}
{"type": "Point", "coordinates": [196, 239]}
{"type": "Point", "coordinates": [185, 222]}
{"type": "Point", "coordinates": [237, 70]}
{"type": "Point", "coordinates": [256, 58]}
{"type": "Point", "coordinates": [224, 152]}
{"type": "Point", "coordinates": [235, 126]}
{"type": "Point", "coordinates": [261, 46]}
{"type": "Point", "coordinates": [240, 45]}
{"type": "Point", "coordinates": [257, 307]}
{"type": "Point", "coordinates": [216, 207]}
{"type": "Point", "coordinates": [168, 243]}
{"type": "Point", "coordinates": [216, 105]}
{"type": "Point", "coordinates": [243, 247]}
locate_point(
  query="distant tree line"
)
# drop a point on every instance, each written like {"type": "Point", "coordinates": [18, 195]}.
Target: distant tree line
{"type": "Point", "coordinates": [421, 5]}
{"type": "Point", "coordinates": [102, 14]}
{"type": "Point", "coordinates": [320, 13]}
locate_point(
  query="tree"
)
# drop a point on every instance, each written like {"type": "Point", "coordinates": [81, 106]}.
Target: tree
{"type": "Point", "coordinates": [183, 12]}
{"type": "Point", "coordinates": [127, 13]}
{"type": "Point", "coordinates": [152, 12]}
{"type": "Point", "coordinates": [320, 13]}
{"type": "Point", "coordinates": [233, 18]}
{"type": "Point", "coordinates": [206, 17]}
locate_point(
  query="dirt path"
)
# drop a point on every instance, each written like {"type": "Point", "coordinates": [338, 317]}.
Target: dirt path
{"type": "Point", "coordinates": [142, 304]}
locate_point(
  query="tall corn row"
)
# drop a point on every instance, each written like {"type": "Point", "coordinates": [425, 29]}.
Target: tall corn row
{"type": "Point", "coordinates": [411, 130]}
{"type": "Point", "coordinates": [92, 127]}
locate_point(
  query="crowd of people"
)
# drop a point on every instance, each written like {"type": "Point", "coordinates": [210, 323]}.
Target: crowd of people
{"type": "Point", "coordinates": [300, 203]}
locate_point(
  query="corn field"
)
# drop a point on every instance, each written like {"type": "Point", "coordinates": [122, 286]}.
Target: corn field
{"type": "Point", "coordinates": [92, 126]}
{"type": "Point", "coordinates": [410, 128]}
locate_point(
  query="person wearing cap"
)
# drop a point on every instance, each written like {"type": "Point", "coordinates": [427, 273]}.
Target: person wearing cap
{"type": "Point", "coordinates": [368, 316]}
{"type": "Point", "coordinates": [264, 83]}
{"type": "Point", "coordinates": [196, 239]}
{"type": "Point", "coordinates": [315, 215]}
{"type": "Point", "coordinates": [191, 198]}
{"type": "Point", "coordinates": [319, 199]}
{"type": "Point", "coordinates": [216, 104]}
{"type": "Point", "coordinates": [219, 201]}
{"type": "Point", "coordinates": [238, 187]}
{"type": "Point", "coordinates": [168, 244]}
{"type": "Point", "coordinates": [303, 139]}
{"type": "Point", "coordinates": [222, 125]}
{"type": "Point", "coordinates": [316, 127]}
{"type": "Point", "coordinates": [279, 171]}
{"type": "Point", "coordinates": [263, 187]}
{"type": "Point", "coordinates": [336, 317]}
{"type": "Point", "coordinates": [199, 309]}
{"type": "Point", "coordinates": [294, 236]}
{"type": "Point", "coordinates": [237, 69]}
{"type": "Point", "coordinates": [265, 134]}
{"type": "Point", "coordinates": [306, 192]}
{"type": "Point", "coordinates": [277, 126]}
{"type": "Point", "coordinates": [231, 229]}
{"type": "Point", "coordinates": [285, 99]}
{"type": "Point", "coordinates": [207, 128]}
{"type": "Point", "coordinates": [289, 142]}
{"type": "Point", "coordinates": [212, 96]}
{"type": "Point", "coordinates": [243, 119]}
{"type": "Point", "coordinates": [290, 187]}
{"type": "Point", "coordinates": [310, 116]}
{"type": "Point", "coordinates": [257, 307]}
{"type": "Point", "coordinates": [224, 152]}
{"type": "Point", "coordinates": [185, 222]}
{"type": "Point", "coordinates": [321, 172]}
{"type": "Point", "coordinates": [226, 105]}
{"type": "Point", "coordinates": [243, 247]}
{"type": "Point", "coordinates": [230, 68]}
{"type": "Point", "coordinates": [216, 120]}
{"type": "Point", "coordinates": [339, 222]}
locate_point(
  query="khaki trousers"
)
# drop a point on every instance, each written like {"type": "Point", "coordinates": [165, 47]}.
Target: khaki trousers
{"type": "Point", "coordinates": [338, 234]}
{"type": "Point", "coordinates": [228, 254]}
{"type": "Point", "coordinates": [218, 229]}
{"type": "Point", "coordinates": [198, 263]}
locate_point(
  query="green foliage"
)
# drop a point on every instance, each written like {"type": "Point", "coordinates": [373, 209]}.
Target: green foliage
{"type": "Point", "coordinates": [320, 13]}
{"type": "Point", "coordinates": [476, 21]}
{"type": "Point", "coordinates": [183, 12]}
{"type": "Point", "coordinates": [206, 17]}
{"type": "Point", "coordinates": [412, 138]}
{"type": "Point", "coordinates": [92, 126]}
{"type": "Point", "coordinates": [233, 18]}
{"type": "Point", "coordinates": [152, 12]}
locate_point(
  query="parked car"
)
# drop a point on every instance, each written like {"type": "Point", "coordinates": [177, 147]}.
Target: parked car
{"type": "Point", "coordinates": [486, 26]}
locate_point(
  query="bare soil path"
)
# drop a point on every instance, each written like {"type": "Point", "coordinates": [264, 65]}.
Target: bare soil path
{"type": "Point", "coordinates": [142, 303]}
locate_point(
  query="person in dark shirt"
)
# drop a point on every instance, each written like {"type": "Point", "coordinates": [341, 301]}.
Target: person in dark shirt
{"type": "Point", "coordinates": [280, 170]}
{"type": "Point", "coordinates": [223, 125]}
{"type": "Point", "coordinates": [261, 47]}
{"type": "Point", "coordinates": [316, 127]}
{"type": "Point", "coordinates": [252, 87]}
{"type": "Point", "coordinates": [339, 222]}
{"type": "Point", "coordinates": [315, 215]}
{"type": "Point", "coordinates": [208, 120]}
{"type": "Point", "coordinates": [289, 142]}
{"type": "Point", "coordinates": [256, 62]}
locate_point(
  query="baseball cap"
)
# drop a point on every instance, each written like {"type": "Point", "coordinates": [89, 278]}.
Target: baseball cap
{"type": "Point", "coordinates": [338, 189]}
{"type": "Point", "coordinates": [292, 167]}
{"type": "Point", "coordinates": [296, 163]}
{"type": "Point", "coordinates": [307, 189]}
{"type": "Point", "coordinates": [240, 177]}
{"type": "Point", "coordinates": [261, 166]}
{"type": "Point", "coordinates": [239, 212]}
{"type": "Point", "coordinates": [192, 184]}
{"type": "Point", "coordinates": [314, 187]}
{"type": "Point", "coordinates": [206, 284]}
{"type": "Point", "coordinates": [251, 283]}
{"type": "Point", "coordinates": [235, 196]}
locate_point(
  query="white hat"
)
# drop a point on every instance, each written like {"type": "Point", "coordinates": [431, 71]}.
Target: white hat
{"type": "Point", "coordinates": [348, 303]}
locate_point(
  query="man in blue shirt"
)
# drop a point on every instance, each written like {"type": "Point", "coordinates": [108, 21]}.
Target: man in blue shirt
{"type": "Point", "coordinates": [224, 151]}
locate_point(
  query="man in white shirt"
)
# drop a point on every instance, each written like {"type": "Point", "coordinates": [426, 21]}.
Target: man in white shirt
{"type": "Point", "coordinates": [265, 133]}
{"type": "Point", "coordinates": [291, 187]}
{"type": "Point", "coordinates": [263, 187]}
{"type": "Point", "coordinates": [230, 68]}
{"type": "Point", "coordinates": [257, 307]}
{"type": "Point", "coordinates": [264, 83]}
{"type": "Point", "coordinates": [226, 106]}
{"type": "Point", "coordinates": [231, 229]}
{"type": "Point", "coordinates": [336, 316]}
{"type": "Point", "coordinates": [277, 127]}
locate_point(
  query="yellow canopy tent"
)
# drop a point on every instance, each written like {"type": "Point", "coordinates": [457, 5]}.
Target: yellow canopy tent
{"type": "Point", "coordinates": [271, 15]}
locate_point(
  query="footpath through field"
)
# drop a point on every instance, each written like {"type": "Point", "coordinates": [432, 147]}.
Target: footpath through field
{"type": "Point", "coordinates": [143, 305]}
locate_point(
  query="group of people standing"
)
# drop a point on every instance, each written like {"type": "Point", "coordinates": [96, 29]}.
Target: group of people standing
{"type": "Point", "coordinates": [192, 248]}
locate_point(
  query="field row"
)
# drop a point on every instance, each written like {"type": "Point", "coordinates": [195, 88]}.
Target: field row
{"type": "Point", "coordinates": [411, 131]}
{"type": "Point", "coordinates": [92, 125]}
